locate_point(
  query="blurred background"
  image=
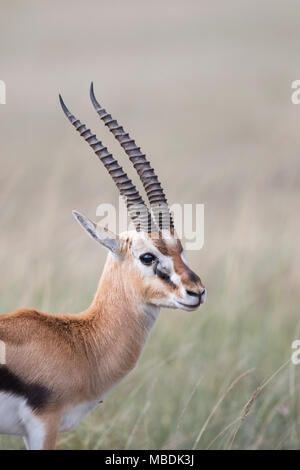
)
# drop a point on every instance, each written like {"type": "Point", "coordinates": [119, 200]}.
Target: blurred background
{"type": "Point", "coordinates": [205, 88]}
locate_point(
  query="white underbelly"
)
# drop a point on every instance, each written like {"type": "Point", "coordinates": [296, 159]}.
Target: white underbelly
{"type": "Point", "coordinates": [11, 407]}
{"type": "Point", "coordinates": [75, 414]}
{"type": "Point", "coordinates": [16, 415]}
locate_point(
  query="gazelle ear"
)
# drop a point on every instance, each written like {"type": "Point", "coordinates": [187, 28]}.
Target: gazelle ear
{"type": "Point", "coordinates": [102, 235]}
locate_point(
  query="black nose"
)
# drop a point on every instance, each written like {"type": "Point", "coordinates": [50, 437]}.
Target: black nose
{"type": "Point", "coordinates": [195, 294]}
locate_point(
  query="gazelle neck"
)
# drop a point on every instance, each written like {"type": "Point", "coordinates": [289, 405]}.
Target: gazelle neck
{"type": "Point", "coordinates": [118, 296]}
{"type": "Point", "coordinates": [119, 325]}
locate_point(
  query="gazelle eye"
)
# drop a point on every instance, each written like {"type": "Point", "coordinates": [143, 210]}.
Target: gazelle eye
{"type": "Point", "coordinates": [147, 258]}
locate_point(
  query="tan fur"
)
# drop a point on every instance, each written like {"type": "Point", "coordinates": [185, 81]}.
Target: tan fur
{"type": "Point", "coordinates": [51, 420]}
{"type": "Point", "coordinates": [81, 357]}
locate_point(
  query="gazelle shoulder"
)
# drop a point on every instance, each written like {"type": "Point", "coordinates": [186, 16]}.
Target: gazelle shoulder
{"type": "Point", "coordinates": [25, 324]}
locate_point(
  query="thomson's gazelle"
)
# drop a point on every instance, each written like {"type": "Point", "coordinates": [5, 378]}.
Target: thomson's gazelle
{"type": "Point", "coordinates": [54, 369]}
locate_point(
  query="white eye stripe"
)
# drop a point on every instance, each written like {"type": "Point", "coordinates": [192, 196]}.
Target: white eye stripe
{"type": "Point", "coordinates": [183, 257]}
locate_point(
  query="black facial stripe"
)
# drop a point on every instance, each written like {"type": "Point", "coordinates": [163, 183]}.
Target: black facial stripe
{"type": "Point", "coordinates": [165, 277]}
{"type": "Point", "coordinates": [37, 395]}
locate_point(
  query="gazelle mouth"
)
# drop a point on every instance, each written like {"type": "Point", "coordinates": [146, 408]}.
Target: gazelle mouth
{"type": "Point", "coordinates": [189, 306]}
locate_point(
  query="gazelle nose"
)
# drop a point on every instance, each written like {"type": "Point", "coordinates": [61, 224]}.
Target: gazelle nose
{"type": "Point", "coordinates": [201, 295]}
{"type": "Point", "coordinates": [193, 293]}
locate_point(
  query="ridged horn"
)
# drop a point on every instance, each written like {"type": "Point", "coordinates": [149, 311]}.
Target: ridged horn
{"type": "Point", "coordinates": [137, 208]}
{"type": "Point", "coordinates": [149, 179]}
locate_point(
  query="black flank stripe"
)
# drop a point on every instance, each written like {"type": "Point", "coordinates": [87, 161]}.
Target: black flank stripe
{"type": "Point", "coordinates": [37, 395]}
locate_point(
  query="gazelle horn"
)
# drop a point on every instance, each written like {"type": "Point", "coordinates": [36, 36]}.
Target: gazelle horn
{"type": "Point", "coordinates": [154, 191]}
{"type": "Point", "coordinates": [137, 208]}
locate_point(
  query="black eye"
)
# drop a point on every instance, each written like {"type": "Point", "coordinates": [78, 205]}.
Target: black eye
{"type": "Point", "coordinates": [147, 258]}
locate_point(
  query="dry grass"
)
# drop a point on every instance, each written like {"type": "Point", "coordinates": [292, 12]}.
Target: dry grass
{"type": "Point", "coordinates": [206, 88]}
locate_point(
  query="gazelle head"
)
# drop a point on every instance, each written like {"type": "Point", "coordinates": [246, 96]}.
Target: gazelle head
{"type": "Point", "coordinates": [150, 258]}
